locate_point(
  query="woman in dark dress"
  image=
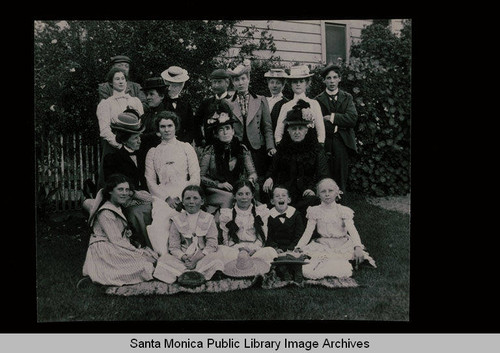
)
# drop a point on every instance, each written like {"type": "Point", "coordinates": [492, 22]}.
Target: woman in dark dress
{"type": "Point", "coordinates": [225, 161]}
{"type": "Point", "coordinates": [300, 161]}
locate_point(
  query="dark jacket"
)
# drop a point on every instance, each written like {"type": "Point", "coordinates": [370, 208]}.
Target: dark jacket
{"type": "Point", "coordinates": [120, 162]}
{"type": "Point", "coordinates": [299, 166]}
{"type": "Point", "coordinates": [183, 109]}
{"type": "Point", "coordinates": [275, 112]}
{"type": "Point", "coordinates": [346, 117]}
{"type": "Point", "coordinates": [284, 236]}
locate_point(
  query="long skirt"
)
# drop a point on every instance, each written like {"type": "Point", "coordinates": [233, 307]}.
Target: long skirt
{"type": "Point", "coordinates": [330, 258]}
{"type": "Point", "coordinates": [112, 265]}
{"type": "Point", "coordinates": [169, 268]}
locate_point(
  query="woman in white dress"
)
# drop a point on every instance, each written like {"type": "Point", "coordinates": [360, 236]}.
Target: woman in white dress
{"type": "Point", "coordinates": [300, 80]}
{"type": "Point", "coordinates": [170, 167]}
{"type": "Point", "coordinates": [111, 258]}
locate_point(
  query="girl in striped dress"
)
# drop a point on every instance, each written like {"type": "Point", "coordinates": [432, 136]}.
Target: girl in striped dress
{"type": "Point", "coordinates": [111, 259]}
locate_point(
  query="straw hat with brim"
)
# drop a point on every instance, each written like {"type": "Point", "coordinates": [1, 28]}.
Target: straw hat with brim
{"type": "Point", "coordinates": [239, 70]}
{"type": "Point", "coordinates": [175, 74]}
{"type": "Point", "coordinates": [191, 279]}
{"type": "Point", "coordinates": [289, 259]}
{"type": "Point", "coordinates": [276, 73]}
{"type": "Point", "coordinates": [300, 71]}
{"type": "Point", "coordinates": [128, 121]}
{"type": "Point", "coordinates": [246, 266]}
{"type": "Point", "coordinates": [153, 83]}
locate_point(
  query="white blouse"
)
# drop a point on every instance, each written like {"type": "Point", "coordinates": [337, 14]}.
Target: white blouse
{"type": "Point", "coordinates": [175, 165]}
{"type": "Point", "coordinates": [108, 110]}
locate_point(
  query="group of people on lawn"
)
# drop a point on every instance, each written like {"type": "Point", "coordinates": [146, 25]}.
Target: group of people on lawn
{"type": "Point", "coordinates": [228, 190]}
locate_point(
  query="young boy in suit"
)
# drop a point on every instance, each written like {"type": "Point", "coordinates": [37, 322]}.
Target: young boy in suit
{"type": "Point", "coordinates": [340, 116]}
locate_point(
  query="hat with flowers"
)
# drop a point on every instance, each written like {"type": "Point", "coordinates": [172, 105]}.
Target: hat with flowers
{"type": "Point", "coordinates": [300, 114]}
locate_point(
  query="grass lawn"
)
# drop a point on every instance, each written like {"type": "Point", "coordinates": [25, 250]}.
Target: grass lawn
{"type": "Point", "coordinates": [383, 294]}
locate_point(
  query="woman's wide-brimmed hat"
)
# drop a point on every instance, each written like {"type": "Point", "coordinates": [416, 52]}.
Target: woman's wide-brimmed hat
{"type": "Point", "coordinates": [239, 70]}
{"type": "Point", "coordinates": [128, 121]}
{"type": "Point", "coordinates": [276, 73]}
{"type": "Point", "coordinates": [300, 114]}
{"type": "Point", "coordinates": [153, 83]}
{"type": "Point", "coordinates": [191, 279]}
{"type": "Point", "coordinates": [223, 115]}
{"type": "Point", "coordinates": [246, 266]}
{"type": "Point", "coordinates": [175, 74]}
{"type": "Point", "coordinates": [299, 71]}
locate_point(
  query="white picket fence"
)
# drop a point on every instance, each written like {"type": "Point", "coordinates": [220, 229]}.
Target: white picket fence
{"type": "Point", "coordinates": [63, 164]}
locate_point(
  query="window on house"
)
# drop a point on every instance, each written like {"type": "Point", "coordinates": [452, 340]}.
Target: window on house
{"type": "Point", "coordinates": [335, 42]}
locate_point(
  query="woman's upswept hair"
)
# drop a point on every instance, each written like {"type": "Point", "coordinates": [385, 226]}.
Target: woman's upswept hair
{"type": "Point", "coordinates": [167, 115]}
{"type": "Point", "coordinates": [111, 74]}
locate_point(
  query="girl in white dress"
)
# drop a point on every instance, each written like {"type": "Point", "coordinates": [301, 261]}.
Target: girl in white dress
{"type": "Point", "coordinates": [111, 259]}
{"type": "Point", "coordinates": [244, 226]}
{"type": "Point", "coordinates": [170, 167]}
{"type": "Point", "coordinates": [339, 241]}
{"type": "Point", "coordinates": [192, 242]}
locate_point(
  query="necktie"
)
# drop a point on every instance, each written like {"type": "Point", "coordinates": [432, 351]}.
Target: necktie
{"type": "Point", "coordinates": [282, 215]}
{"type": "Point", "coordinates": [133, 153]}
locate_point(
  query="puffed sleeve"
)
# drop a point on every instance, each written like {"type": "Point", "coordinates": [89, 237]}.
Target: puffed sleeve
{"type": "Point", "coordinates": [205, 159]}
{"type": "Point", "coordinates": [193, 164]}
{"type": "Point", "coordinates": [211, 238]}
{"type": "Point", "coordinates": [150, 175]}
{"type": "Point", "coordinates": [104, 119]}
{"type": "Point", "coordinates": [347, 215]}
{"type": "Point", "coordinates": [280, 126]}
{"type": "Point", "coordinates": [263, 212]}
{"type": "Point", "coordinates": [312, 214]}
{"type": "Point", "coordinates": [226, 214]}
{"type": "Point", "coordinates": [174, 242]}
{"type": "Point", "coordinates": [250, 170]}
{"type": "Point", "coordinates": [318, 121]}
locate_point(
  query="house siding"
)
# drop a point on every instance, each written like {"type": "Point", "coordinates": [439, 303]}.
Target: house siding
{"type": "Point", "coordinates": [302, 41]}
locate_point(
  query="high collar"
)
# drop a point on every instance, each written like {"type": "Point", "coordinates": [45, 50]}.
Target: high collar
{"type": "Point", "coordinates": [172, 141]}
{"type": "Point", "coordinates": [121, 94]}
{"type": "Point", "coordinates": [243, 212]}
{"type": "Point", "coordinates": [302, 96]}
{"type": "Point", "coordinates": [223, 95]}
{"type": "Point", "coordinates": [331, 93]}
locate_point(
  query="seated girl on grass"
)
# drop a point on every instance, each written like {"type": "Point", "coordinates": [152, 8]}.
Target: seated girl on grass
{"type": "Point", "coordinates": [111, 258]}
{"type": "Point", "coordinates": [192, 240]}
{"type": "Point", "coordinates": [244, 226]}
{"type": "Point", "coordinates": [338, 242]}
